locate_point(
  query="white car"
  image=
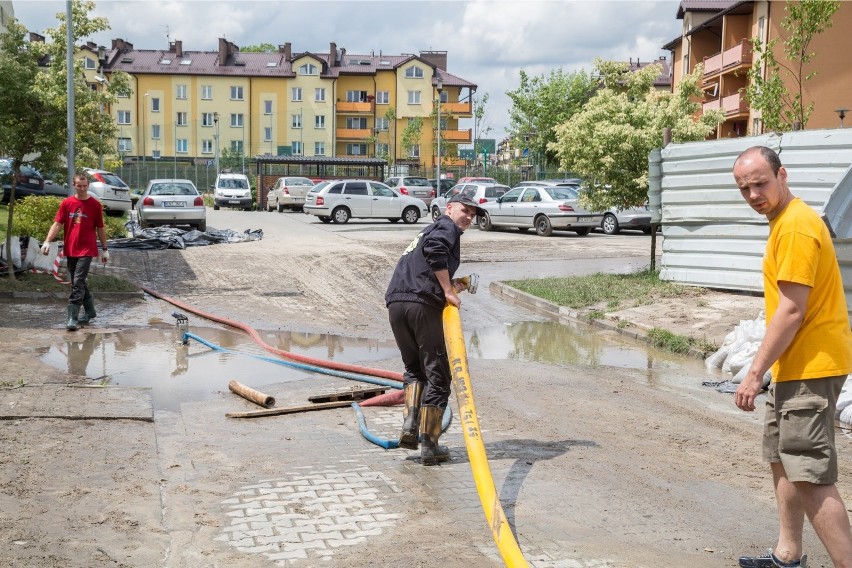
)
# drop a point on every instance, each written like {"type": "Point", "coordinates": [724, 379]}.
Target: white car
{"type": "Point", "coordinates": [288, 193]}
{"type": "Point", "coordinates": [232, 190]}
{"type": "Point", "coordinates": [171, 202]}
{"type": "Point", "coordinates": [110, 190]}
{"type": "Point", "coordinates": [341, 200]}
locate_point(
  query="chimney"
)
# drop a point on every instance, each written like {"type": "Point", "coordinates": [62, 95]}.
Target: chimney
{"type": "Point", "coordinates": [226, 48]}
{"type": "Point", "coordinates": [122, 45]}
{"type": "Point", "coordinates": [436, 58]}
{"type": "Point", "coordinates": [176, 47]}
{"type": "Point", "coordinates": [287, 50]}
{"type": "Point", "coordinates": [36, 38]}
{"type": "Point", "coordinates": [332, 55]}
{"type": "Point", "coordinates": [92, 45]}
{"type": "Point", "coordinates": [341, 59]}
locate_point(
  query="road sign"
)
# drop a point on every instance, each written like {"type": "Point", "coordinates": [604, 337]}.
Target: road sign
{"type": "Point", "coordinates": [210, 163]}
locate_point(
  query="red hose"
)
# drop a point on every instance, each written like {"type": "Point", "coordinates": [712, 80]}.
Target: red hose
{"type": "Point", "coordinates": [280, 352]}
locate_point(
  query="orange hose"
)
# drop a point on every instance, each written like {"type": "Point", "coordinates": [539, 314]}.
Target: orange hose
{"type": "Point", "coordinates": [280, 352]}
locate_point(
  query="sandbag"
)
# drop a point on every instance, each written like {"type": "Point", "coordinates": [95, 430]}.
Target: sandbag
{"type": "Point", "coordinates": [32, 253]}
{"type": "Point", "coordinates": [15, 245]}
{"type": "Point", "coordinates": [44, 263]}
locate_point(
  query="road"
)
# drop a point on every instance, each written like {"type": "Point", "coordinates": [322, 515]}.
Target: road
{"type": "Point", "coordinates": [596, 463]}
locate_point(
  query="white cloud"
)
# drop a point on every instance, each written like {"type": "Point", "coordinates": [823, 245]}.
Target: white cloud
{"type": "Point", "coordinates": [488, 41]}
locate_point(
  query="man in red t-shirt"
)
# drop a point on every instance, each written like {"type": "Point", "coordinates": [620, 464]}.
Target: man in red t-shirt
{"type": "Point", "coordinates": [81, 217]}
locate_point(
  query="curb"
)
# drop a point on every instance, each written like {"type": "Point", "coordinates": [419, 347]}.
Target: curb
{"type": "Point", "coordinates": [567, 315]}
{"type": "Point", "coordinates": [110, 296]}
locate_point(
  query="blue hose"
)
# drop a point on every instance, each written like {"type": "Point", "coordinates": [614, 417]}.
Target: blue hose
{"type": "Point", "coordinates": [302, 366]}
{"type": "Point", "coordinates": [392, 444]}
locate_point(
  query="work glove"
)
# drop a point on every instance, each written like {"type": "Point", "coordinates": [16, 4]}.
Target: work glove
{"type": "Point", "coordinates": [45, 248]}
{"type": "Point", "coordinates": [104, 256]}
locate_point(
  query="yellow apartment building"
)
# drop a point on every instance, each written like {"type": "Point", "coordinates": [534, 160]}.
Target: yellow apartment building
{"type": "Point", "coordinates": [718, 33]}
{"type": "Point", "coordinates": [194, 105]}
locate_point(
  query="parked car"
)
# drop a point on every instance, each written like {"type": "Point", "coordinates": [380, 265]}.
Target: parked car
{"type": "Point", "coordinates": [171, 202]}
{"type": "Point", "coordinates": [616, 220]}
{"type": "Point", "coordinates": [544, 208]}
{"type": "Point", "coordinates": [413, 186]}
{"type": "Point", "coordinates": [445, 186]}
{"type": "Point", "coordinates": [110, 190]}
{"type": "Point", "coordinates": [575, 182]}
{"type": "Point", "coordinates": [492, 181]}
{"type": "Point", "coordinates": [288, 193]}
{"type": "Point", "coordinates": [232, 190]}
{"type": "Point", "coordinates": [29, 182]}
{"type": "Point", "coordinates": [57, 188]}
{"type": "Point", "coordinates": [480, 192]}
{"type": "Point", "coordinates": [341, 200]}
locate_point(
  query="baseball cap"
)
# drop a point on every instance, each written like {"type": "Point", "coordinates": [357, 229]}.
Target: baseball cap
{"type": "Point", "coordinates": [465, 200]}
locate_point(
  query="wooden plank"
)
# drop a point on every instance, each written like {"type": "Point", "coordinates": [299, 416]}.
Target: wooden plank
{"type": "Point", "coordinates": [349, 394]}
{"type": "Point", "coordinates": [289, 409]}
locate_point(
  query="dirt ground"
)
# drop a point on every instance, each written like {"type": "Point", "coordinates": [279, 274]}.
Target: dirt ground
{"type": "Point", "coordinates": [595, 464]}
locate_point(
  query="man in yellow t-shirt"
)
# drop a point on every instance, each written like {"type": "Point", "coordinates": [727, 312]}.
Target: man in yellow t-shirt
{"type": "Point", "coordinates": [808, 345]}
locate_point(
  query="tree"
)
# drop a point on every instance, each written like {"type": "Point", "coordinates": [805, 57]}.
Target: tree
{"type": "Point", "coordinates": [541, 103]}
{"type": "Point", "coordinates": [782, 105]}
{"type": "Point", "coordinates": [260, 48]}
{"type": "Point", "coordinates": [34, 97]}
{"type": "Point", "coordinates": [411, 135]}
{"type": "Point", "coordinates": [480, 121]}
{"type": "Point", "coordinates": [608, 141]}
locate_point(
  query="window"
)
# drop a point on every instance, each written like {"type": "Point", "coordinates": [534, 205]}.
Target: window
{"type": "Point", "coordinates": [125, 145]}
{"type": "Point", "coordinates": [267, 107]}
{"type": "Point", "coordinates": [359, 122]}
{"type": "Point", "coordinates": [297, 148]}
{"type": "Point", "coordinates": [414, 97]}
{"type": "Point", "coordinates": [382, 150]}
{"type": "Point", "coordinates": [206, 119]}
{"type": "Point", "coordinates": [206, 146]}
{"type": "Point", "coordinates": [90, 63]}
{"type": "Point", "coordinates": [181, 146]}
{"type": "Point", "coordinates": [513, 195]}
{"type": "Point", "coordinates": [267, 134]}
{"type": "Point", "coordinates": [414, 72]}
{"type": "Point", "coordinates": [382, 98]}
{"type": "Point", "coordinates": [319, 121]}
{"type": "Point", "coordinates": [236, 93]}
{"type": "Point", "coordinates": [414, 151]}
{"type": "Point", "coordinates": [297, 93]}
{"type": "Point", "coordinates": [308, 69]}
{"type": "Point", "coordinates": [356, 149]}
{"type": "Point", "coordinates": [319, 148]}
{"type": "Point", "coordinates": [356, 96]}
{"type": "Point", "coordinates": [206, 92]}
{"type": "Point", "coordinates": [356, 188]}
{"type": "Point", "coordinates": [181, 92]}
{"type": "Point", "coordinates": [382, 124]}
{"type": "Point", "coordinates": [155, 131]}
{"type": "Point", "coordinates": [123, 95]}
{"type": "Point", "coordinates": [296, 121]}
{"type": "Point", "coordinates": [237, 146]}
{"type": "Point", "coordinates": [181, 119]}
{"type": "Point", "coordinates": [124, 117]}
{"type": "Point", "coordinates": [155, 105]}
{"type": "Point", "coordinates": [237, 120]}
{"type": "Point", "coordinates": [445, 97]}
{"type": "Point", "coordinates": [319, 94]}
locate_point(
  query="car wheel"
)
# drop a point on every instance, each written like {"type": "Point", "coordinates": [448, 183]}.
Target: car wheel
{"type": "Point", "coordinates": [582, 231]}
{"type": "Point", "coordinates": [202, 226]}
{"type": "Point", "coordinates": [393, 219]}
{"type": "Point", "coordinates": [523, 229]}
{"type": "Point", "coordinates": [247, 208]}
{"type": "Point", "coordinates": [340, 215]}
{"type": "Point", "coordinates": [280, 208]}
{"type": "Point", "coordinates": [269, 207]}
{"type": "Point", "coordinates": [435, 213]}
{"type": "Point", "coordinates": [410, 215]}
{"type": "Point", "coordinates": [215, 207]}
{"type": "Point", "coordinates": [646, 230]}
{"type": "Point", "coordinates": [325, 219]}
{"type": "Point", "coordinates": [543, 228]}
{"type": "Point", "coordinates": [610, 224]}
{"type": "Point", "coordinates": [485, 222]}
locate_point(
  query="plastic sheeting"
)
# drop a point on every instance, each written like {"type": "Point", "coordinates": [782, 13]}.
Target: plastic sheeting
{"type": "Point", "coordinates": [171, 237]}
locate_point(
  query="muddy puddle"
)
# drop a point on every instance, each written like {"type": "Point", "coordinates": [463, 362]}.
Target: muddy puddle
{"type": "Point", "coordinates": [155, 357]}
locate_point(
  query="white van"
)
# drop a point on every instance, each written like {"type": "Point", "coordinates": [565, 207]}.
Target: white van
{"type": "Point", "coordinates": [232, 190]}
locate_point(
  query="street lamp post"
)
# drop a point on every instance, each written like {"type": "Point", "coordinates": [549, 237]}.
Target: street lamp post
{"type": "Point", "coordinates": [440, 87]}
{"type": "Point", "coordinates": [243, 146]}
{"type": "Point", "coordinates": [144, 136]}
{"type": "Point", "coordinates": [216, 142]}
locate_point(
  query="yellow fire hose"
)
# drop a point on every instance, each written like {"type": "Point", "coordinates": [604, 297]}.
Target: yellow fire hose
{"type": "Point", "coordinates": [500, 529]}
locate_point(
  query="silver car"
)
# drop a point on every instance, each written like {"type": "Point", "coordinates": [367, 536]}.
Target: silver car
{"type": "Point", "coordinates": [171, 202]}
{"type": "Point", "coordinates": [480, 192]}
{"type": "Point", "coordinates": [110, 190]}
{"type": "Point", "coordinates": [342, 200]}
{"type": "Point", "coordinates": [413, 186]}
{"type": "Point", "coordinates": [616, 220]}
{"type": "Point", "coordinates": [544, 208]}
{"type": "Point", "coordinates": [288, 193]}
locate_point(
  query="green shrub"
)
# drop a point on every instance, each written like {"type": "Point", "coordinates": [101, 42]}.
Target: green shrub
{"type": "Point", "coordinates": [34, 215]}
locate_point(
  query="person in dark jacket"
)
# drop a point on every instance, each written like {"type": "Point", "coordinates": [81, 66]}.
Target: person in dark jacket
{"type": "Point", "coordinates": [421, 285]}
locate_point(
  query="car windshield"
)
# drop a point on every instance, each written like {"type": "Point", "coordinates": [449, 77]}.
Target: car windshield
{"type": "Point", "coordinates": [112, 179]}
{"type": "Point", "coordinates": [233, 183]}
{"type": "Point", "coordinates": [561, 192]}
{"type": "Point", "coordinates": [299, 181]}
{"type": "Point", "coordinates": [418, 181]}
{"type": "Point", "coordinates": [173, 189]}
{"type": "Point", "coordinates": [319, 186]}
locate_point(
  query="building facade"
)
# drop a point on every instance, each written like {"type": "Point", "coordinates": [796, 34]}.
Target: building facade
{"type": "Point", "coordinates": [193, 105]}
{"type": "Point", "coordinates": [718, 33]}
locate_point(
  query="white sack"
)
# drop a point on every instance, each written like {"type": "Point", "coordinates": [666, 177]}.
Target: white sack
{"type": "Point", "coordinates": [15, 245]}
{"type": "Point", "coordinates": [44, 263]}
{"type": "Point", "coordinates": [32, 253]}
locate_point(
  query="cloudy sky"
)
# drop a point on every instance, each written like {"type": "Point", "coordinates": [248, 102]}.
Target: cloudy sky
{"type": "Point", "coordinates": [488, 41]}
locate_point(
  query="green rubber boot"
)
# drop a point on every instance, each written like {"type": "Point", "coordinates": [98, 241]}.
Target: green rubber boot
{"type": "Point", "coordinates": [411, 416]}
{"type": "Point", "coordinates": [73, 314]}
{"type": "Point", "coordinates": [430, 430]}
{"type": "Point", "coordinates": [88, 310]}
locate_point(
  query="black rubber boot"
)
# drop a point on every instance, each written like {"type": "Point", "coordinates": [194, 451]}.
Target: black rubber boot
{"type": "Point", "coordinates": [411, 416]}
{"type": "Point", "coordinates": [73, 313]}
{"type": "Point", "coordinates": [430, 430]}
{"type": "Point", "coordinates": [88, 310]}
{"type": "Point", "coordinates": [769, 560]}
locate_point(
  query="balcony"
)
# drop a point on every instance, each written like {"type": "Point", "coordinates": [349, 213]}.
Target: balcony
{"type": "Point", "coordinates": [733, 59]}
{"type": "Point", "coordinates": [462, 109]}
{"type": "Point", "coordinates": [456, 136]}
{"type": "Point", "coordinates": [354, 133]}
{"type": "Point", "coordinates": [355, 108]}
{"type": "Point", "coordinates": [734, 106]}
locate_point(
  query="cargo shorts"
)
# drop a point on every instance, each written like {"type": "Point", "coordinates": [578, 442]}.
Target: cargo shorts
{"type": "Point", "coordinates": [798, 429]}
